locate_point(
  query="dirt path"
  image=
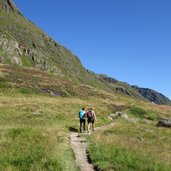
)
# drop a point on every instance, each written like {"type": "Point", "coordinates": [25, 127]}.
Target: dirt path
{"type": "Point", "coordinates": [79, 147]}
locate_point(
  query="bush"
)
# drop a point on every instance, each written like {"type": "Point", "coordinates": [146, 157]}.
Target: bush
{"type": "Point", "coordinates": [137, 111]}
{"type": "Point", "coordinates": [27, 90]}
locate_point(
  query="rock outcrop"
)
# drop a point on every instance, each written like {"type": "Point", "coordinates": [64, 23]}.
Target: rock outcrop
{"type": "Point", "coordinates": [153, 96]}
{"type": "Point", "coordinates": [118, 114]}
{"type": "Point", "coordinates": [8, 6]}
{"type": "Point", "coordinates": [164, 123]}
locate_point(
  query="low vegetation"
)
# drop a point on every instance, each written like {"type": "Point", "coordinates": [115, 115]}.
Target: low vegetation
{"type": "Point", "coordinates": [36, 118]}
{"type": "Point", "coordinates": [39, 109]}
{"type": "Point", "coordinates": [139, 112]}
{"type": "Point", "coordinates": [131, 146]}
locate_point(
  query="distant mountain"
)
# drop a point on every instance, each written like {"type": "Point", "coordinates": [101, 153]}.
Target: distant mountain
{"type": "Point", "coordinates": [23, 44]}
{"type": "Point", "coordinates": [118, 86]}
{"type": "Point", "coordinates": [152, 95]}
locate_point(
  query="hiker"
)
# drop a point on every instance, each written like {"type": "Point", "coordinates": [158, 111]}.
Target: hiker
{"type": "Point", "coordinates": [91, 118]}
{"type": "Point", "coordinates": [82, 119]}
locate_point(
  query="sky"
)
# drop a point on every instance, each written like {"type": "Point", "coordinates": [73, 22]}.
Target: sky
{"type": "Point", "coordinates": [129, 40]}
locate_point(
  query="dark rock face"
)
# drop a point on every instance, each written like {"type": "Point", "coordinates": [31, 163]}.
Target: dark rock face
{"type": "Point", "coordinates": [122, 90]}
{"type": "Point", "coordinates": [164, 123]}
{"type": "Point", "coordinates": [8, 5]}
{"type": "Point", "coordinates": [118, 86]}
{"type": "Point", "coordinates": [104, 77]}
{"type": "Point", "coordinates": [153, 96]}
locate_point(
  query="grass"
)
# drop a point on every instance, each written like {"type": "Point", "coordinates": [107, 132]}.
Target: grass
{"type": "Point", "coordinates": [131, 146]}
{"type": "Point", "coordinates": [35, 133]}
{"type": "Point", "coordinates": [37, 110]}
{"type": "Point", "coordinates": [35, 149]}
{"type": "Point", "coordinates": [35, 126]}
{"type": "Point", "coordinates": [118, 158]}
{"type": "Point", "coordinates": [140, 112]}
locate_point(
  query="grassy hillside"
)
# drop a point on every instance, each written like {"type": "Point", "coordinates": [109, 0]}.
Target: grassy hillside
{"type": "Point", "coordinates": [38, 110]}
{"type": "Point", "coordinates": [22, 43]}
{"type": "Point", "coordinates": [42, 88]}
{"type": "Point", "coordinates": [35, 124]}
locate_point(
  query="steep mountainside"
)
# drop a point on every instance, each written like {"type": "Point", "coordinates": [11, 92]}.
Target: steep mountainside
{"type": "Point", "coordinates": [24, 44]}
{"type": "Point", "coordinates": [8, 5]}
{"type": "Point", "coordinates": [153, 96]}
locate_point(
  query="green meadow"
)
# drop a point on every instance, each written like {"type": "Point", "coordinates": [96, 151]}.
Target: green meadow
{"type": "Point", "coordinates": [35, 126]}
{"type": "Point", "coordinates": [131, 146]}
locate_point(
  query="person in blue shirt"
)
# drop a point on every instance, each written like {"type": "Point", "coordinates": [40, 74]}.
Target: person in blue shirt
{"type": "Point", "coordinates": [82, 117]}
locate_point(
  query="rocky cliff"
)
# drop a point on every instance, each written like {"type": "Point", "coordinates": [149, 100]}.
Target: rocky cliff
{"type": "Point", "coordinates": [153, 96]}
{"type": "Point", "coordinates": [8, 6]}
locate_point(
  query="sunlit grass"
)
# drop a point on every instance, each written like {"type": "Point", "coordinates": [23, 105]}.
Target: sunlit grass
{"type": "Point", "coordinates": [131, 146]}
{"type": "Point", "coordinates": [35, 126]}
{"type": "Point", "coordinates": [27, 148]}
{"type": "Point", "coordinates": [34, 133]}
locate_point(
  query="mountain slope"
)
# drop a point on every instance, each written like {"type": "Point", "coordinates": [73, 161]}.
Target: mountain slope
{"type": "Point", "coordinates": [152, 95]}
{"type": "Point", "coordinates": [8, 5]}
{"type": "Point", "coordinates": [24, 44]}
{"type": "Point", "coordinates": [41, 96]}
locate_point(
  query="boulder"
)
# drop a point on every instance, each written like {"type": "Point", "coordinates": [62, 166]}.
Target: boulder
{"type": "Point", "coordinates": [122, 115]}
{"type": "Point", "coordinates": [118, 114]}
{"type": "Point", "coordinates": [164, 123]}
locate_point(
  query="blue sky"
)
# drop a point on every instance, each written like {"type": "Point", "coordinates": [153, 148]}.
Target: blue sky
{"type": "Point", "coordinates": [129, 40]}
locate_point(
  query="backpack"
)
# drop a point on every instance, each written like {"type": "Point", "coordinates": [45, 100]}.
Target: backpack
{"type": "Point", "coordinates": [81, 114]}
{"type": "Point", "coordinates": [90, 115]}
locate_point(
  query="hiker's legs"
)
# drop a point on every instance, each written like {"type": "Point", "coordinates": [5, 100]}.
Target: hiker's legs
{"type": "Point", "coordinates": [84, 124]}
{"type": "Point", "coordinates": [93, 125]}
{"type": "Point", "coordinates": [81, 122]}
{"type": "Point", "coordinates": [88, 127]}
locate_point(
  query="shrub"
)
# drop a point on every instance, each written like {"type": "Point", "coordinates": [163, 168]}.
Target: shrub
{"type": "Point", "coordinates": [142, 113]}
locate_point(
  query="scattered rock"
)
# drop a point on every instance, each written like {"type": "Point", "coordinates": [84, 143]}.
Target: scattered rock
{"type": "Point", "coordinates": [113, 115]}
{"type": "Point", "coordinates": [134, 120]}
{"type": "Point", "coordinates": [110, 118]}
{"type": "Point", "coordinates": [36, 113]}
{"type": "Point", "coordinates": [15, 50]}
{"type": "Point", "coordinates": [118, 114]}
{"type": "Point", "coordinates": [16, 60]}
{"type": "Point", "coordinates": [51, 92]}
{"type": "Point", "coordinates": [140, 139]}
{"type": "Point", "coordinates": [164, 123]}
{"type": "Point", "coordinates": [123, 90]}
{"type": "Point", "coordinates": [123, 115]}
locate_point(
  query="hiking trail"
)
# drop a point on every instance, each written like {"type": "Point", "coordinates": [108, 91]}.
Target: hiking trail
{"type": "Point", "coordinates": [79, 146]}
